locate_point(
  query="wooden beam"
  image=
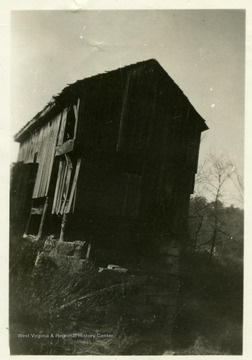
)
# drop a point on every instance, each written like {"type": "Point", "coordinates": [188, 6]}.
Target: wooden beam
{"type": "Point", "coordinates": [64, 148]}
{"type": "Point", "coordinates": [63, 227]}
{"type": "Point", "coordinates": [67, 183]}
{"type": "Point", "coordinates": [88, 251]}
{"type": "Point", "coordinates": [55, 200]}
{"type": "Point", "coordinates": [76, 114]}
{"type": "Point", "coordinates": [42, 219]}
{"type": "Point", "coordinates": [68, 207]}
{"type": "Point", "coordinates": [62, 126]}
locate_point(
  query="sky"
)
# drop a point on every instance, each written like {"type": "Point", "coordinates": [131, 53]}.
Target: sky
{"type": "Point", "coordinates": [202, 50]}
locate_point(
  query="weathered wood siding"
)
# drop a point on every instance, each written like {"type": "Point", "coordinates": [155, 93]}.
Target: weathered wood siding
{"type": "Point", "coordinates": [66, 185]}
{"type": "Point", "coordinates": [39, 148]}
{"type": "Point", "coordinates": [99, 114]}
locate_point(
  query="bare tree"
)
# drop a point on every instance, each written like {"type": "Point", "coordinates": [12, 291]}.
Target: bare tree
{"type": "Point", "coordinates": [213, 175]}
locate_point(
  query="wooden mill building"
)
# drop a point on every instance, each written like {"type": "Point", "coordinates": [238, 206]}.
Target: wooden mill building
{"type": "Point", "coordinates": [110, 161]}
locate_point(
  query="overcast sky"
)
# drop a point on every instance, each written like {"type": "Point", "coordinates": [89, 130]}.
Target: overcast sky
{"type": "Point", "coordinates": [202, 50]}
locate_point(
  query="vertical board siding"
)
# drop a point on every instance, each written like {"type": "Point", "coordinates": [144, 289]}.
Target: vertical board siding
{"type": "Point", "coordinates": [42, 143]}
{"type": "Point", "coordinates": [49, 139]}
{"type": "Point", "coordinates": [65, 190]}
{"type": "Point", "coordinates": [100, 113]}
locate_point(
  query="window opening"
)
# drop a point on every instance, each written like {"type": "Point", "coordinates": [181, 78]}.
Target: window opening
{"type": "Point", "coordinates": [70, 125]}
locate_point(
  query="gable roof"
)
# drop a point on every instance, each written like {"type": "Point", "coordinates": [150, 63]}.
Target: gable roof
{"type": "Point", "coordinates": [72, 91]}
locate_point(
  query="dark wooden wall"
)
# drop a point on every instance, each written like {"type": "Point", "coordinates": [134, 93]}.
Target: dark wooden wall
{"type": "Point", "coordinates": [133, 151]}
{"type": "Point", "coordinates": [148, 129]}
{"type": "Point", "coordinates": [139, 140]}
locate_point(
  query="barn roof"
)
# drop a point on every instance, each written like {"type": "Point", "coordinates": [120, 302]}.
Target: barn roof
{"type": "Point", "coordinates": [71, 91]}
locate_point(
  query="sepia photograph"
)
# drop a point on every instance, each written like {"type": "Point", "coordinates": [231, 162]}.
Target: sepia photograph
{"type": "Point", "coordinates": [126, 220]}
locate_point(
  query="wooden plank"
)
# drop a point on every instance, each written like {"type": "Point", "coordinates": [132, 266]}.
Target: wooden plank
{"type": "Point", "coordinates": [47, 141]}
{"type": "Point", "coordinates": [73, 185]}
{"type": "Point", "coordinates": [60, 123]}
{"type": "Point", "coordinates": [63, 177]}
{"type": "Point", "coordinates": [73, 188]}
{"type": "Point", "coordinates": [74, 199]}
{"type": "Point", "coordinates": [42, 219]}
{"type": "Point", "coordinates": [40, 141]}
{"type": "Point", "coordinates": [76, 114]}
{"type": "Point", "coordinates": [43, 162]}
{"type": "Point", "coordinates": [57, 207]}
{"type": "Point", "coordinates": [62, 126]}
{"type": "Point", "coordinates": [40, 160]}
{"type": "Point", "coordinates": [57, 188]}
{"type": "Point", "coordinates": [47, 161]}
{"type": "Point", "coordinates": [67, 183]}
{"type": "Point", "coordinates": [35, 147]}
{"type": "Point", "coordinates": [63, 226]}
{"type": "Point", "coordinates": [64, 148]}
{"type": "Point", "coordinates": [52, 151]}
{"type": "Point", "coordinates": [37, 211]}
{"type": "Point", "coordinates": [88, 251]}
{"type": "Point", "coordinates": [78, 106]}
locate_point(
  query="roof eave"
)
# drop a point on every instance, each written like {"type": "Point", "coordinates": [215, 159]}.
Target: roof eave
{"type": "Point", "coordinates": [34, 122]}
